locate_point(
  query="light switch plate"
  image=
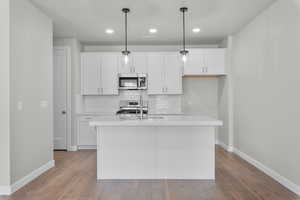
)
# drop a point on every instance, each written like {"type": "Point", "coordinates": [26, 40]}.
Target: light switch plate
{"type": "Point", "coordinates": [44, 104]}
{"type": "Point", "coordinates": [20, 105]}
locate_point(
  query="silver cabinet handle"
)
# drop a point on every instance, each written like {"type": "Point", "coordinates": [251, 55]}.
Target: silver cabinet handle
{"type": "Point", "coordinates": [101, 90]}
{"type": "Point", "coordinates": [98, 89]}
{"type": "Point", "coordinates": [166, 89]}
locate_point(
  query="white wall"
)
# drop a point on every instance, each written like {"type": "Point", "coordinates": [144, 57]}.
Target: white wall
{"type": "Point", "coordinates": [266, 95]}
{"type": "Point", "coordinates": [4, 91]}
{"type": "Point", "coordinates": [31, 84]}
{"type": "Point", "coordinates": [225, 99]}
{"type": "Point", "coordinates": [75, 47]}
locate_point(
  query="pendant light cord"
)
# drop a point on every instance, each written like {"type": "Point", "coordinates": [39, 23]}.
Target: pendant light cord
{"type": "Point", "coordinates": [183, 30]}
{"type": "Point", "coordinates": [126, 31]}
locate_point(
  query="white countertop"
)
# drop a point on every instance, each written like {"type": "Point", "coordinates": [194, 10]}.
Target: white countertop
{"type": "Point", "coordinates": [157, 120]}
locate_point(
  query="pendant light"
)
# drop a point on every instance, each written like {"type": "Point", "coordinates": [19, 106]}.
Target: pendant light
{"type": "Point", "coordinates": [183, 52]}
{"type": "Point", "coordinates": [126, 52]}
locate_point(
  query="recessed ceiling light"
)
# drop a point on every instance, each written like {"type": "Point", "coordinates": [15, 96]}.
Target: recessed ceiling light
{"type": "Point", "coordinates": [109, 31]}
{"type": "Point", "coordinates": [196, 30]}
{"type": "Point", "coordinates": [152, 30]}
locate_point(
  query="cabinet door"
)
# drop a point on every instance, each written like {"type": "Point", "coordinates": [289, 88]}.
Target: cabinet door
{"type": "Point", "coordinates": [90, 69]}
{"type": "Point", "coordinates": [156, 76]}
{"type": "Point", "coordinates": [125, 68]}
{"type": "Point", "coordinates": [87, 135]}
{"type": "Point", "coordinates": [109, 74]}
{"type": "Point", "coordinates": [173, 74]}
{"type": "Point", "coordinates": [139, 63]}
{"type": "Point", "coordinates": [195, 64]}
{"type": "Point", "coordinates": [215, 62]}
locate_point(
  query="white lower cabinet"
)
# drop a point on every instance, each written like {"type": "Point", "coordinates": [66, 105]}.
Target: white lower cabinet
{"type": "Point", "coordinates": [87, 136]}
{"type": "Point", "coordinates": [164, 74]}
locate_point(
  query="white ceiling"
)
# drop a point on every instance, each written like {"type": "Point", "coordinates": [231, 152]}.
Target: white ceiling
{"type": "Point", "coordinates": [88, 19]}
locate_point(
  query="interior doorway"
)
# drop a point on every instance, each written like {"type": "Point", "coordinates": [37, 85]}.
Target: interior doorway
{"type": "Point", "coordinates": [62, 98]}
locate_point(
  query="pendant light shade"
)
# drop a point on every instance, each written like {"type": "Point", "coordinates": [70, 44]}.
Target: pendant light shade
{"type": "Point", "coordinates": [183, 52]}
{"type": "Point", "coordinates": [126, 52]}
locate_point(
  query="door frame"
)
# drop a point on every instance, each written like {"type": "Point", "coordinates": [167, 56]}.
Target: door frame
{"type": "Point", "coordinates": [69, 95]}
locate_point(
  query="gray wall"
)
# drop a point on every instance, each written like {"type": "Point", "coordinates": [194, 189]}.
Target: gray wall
{"type": "Point", "coordinates": [266, 88]}
{"type": "Point", "coordinates": [31, 84]}
{"type": "Point", "coordinates": [4, 91]}
{"type": "Point", "coordinates": [200, 96]}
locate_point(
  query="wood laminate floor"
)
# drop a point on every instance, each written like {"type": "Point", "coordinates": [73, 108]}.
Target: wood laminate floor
{"type": "Point", "coordinates": [74, 178]}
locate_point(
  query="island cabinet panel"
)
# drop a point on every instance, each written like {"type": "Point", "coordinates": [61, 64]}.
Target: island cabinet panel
{"type": "Point", "coordinates": [155, 152]}
{"type": "Point", "coordinates": [164, 74]}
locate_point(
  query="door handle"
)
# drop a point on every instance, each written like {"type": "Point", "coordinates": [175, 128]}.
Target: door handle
{"type": "Point", "coordinates": [63, 112]}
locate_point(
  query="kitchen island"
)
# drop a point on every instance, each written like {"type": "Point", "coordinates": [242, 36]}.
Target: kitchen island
{"type": "Point", "coordinates": [158, 147]}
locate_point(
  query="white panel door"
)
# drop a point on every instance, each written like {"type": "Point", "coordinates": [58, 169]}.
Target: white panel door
{"type": "Point", "coordinates": [173, 74]}
{"type": "Point", "coordinates": [139, 62]}
{"type": "Point", "coordinates": [109, 74]}
{"type": "Point", "coordinates": [60, 63]}
{"type": "Point", "coordinates": [90, 70]}
{"type": "Point", "coordinates": [156, 76]}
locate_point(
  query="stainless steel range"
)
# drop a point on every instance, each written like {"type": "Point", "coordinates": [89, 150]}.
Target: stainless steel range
{"type": "Point", "coordinates": [133, 109]}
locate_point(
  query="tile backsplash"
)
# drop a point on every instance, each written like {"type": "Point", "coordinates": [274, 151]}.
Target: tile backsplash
{"type": "Point", "coordinates": [200, 96]}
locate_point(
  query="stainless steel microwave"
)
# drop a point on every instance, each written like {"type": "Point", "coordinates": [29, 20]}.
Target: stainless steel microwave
{"type": "Point", "coordinates": [132, 81]}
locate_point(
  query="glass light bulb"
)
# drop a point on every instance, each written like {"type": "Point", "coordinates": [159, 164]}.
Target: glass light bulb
{"type": "Point", "coordinates": [126, 59]}
{"type": "Point", "coordinates": [184, 58]}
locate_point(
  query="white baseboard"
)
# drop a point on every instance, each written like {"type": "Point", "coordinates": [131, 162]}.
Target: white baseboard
{"type": "Point", "coordinates": [225, 146]}
{"type": "Point", "coordinates": [87, 147]}
{"type": "Point", "coordinates": [30, 177]}
{"type": "Point", "coordinates": [73, 148]}
{"type": "Point", "coordinates": [270, 172]}
{"type": "Point", "coordinates": [5, 190]}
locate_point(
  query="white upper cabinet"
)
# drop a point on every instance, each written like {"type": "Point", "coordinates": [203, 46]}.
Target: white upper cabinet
{"type": "Point", "coordinates": [173, 74]}
{"type": "Point", "coordinates": [156, 73]}
{"type": "Point", "coordinates": [205, 62]}
{"type": "Point", "coordinates": [137, 63]}
{"type": "Point", "coordinates": [125, 68]}
{"type": "Point", "coordinates": [90, 73]}
{"type": "Point", "coordinates": [164, 74]}
{"type": "Point", "coordinates": [109, 74]}
{"type": "Point", "coordinates": [99, 74]}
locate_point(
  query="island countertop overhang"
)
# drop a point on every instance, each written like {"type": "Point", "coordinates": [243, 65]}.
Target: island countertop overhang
{"type": "Point", "coordinates": [165, 120]}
